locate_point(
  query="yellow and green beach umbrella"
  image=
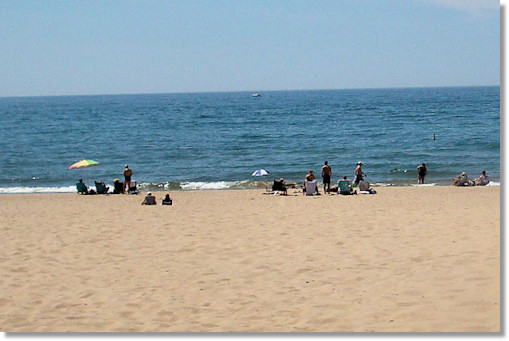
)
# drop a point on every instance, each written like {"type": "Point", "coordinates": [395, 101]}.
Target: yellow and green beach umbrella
{"type": "Point", "coordinates": [83, 163]}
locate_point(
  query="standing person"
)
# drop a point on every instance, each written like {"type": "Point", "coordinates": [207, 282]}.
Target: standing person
{"type": "Point", "coordinates": [421, 172]}
{"type": "Point", "coordinates": [359, 174]}
{"type": "Point", "coordinates": [127, 178]}
{"type": "Point", "coordinates": [326, 175]}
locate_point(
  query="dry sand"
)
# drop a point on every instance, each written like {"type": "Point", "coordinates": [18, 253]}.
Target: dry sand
{"type": "Point", "coordinates": [414, 259]}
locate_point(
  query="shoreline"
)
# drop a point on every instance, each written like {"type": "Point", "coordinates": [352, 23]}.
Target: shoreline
{"type": "Point", "coordinates": [408, 259]}
{"type": "Point", "coordinates": [199, 186]}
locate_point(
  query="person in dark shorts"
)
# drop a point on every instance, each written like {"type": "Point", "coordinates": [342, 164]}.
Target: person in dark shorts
{"type": "Point", "coordinates": [127, 178]}
{"type": "Point", "coordinates": [421, 172]}
{"type": "Point", "coordinates": [359, 174]}
{"type": "Point", "coordinates": [326, 175]}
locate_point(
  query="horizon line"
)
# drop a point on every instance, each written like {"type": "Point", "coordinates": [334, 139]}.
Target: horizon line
{"type": "Point", "coordinates": [249, 91]}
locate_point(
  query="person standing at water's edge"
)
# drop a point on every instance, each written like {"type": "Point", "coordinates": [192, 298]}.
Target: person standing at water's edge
{"type": "Point", "coordinates": [421, 172]}
{"type": "Point", "coordinates": [326, 175]}
{"type": "Point", "coordinates": [127, 178]}
{"type": "Point", "coordinates": [359, 174]}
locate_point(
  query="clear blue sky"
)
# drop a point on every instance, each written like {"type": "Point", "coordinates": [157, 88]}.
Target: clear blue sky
{"type": "Point", "coordinates": [77, 47]}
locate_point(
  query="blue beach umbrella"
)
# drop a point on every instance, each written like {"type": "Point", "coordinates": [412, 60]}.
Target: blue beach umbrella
{"type": "Point", "coordinates": [260, 172]}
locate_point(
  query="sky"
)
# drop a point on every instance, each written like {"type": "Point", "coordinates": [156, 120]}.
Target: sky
{"type": "Point", "coordinates": [79, 47]}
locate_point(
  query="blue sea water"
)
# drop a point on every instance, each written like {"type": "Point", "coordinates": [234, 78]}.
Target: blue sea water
{"type": "Point", "coordinates": [217, 140]}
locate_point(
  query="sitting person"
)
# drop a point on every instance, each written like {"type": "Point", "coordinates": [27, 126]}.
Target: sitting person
{"type": "Point", "coordinates": [101, 188]}
{"type": "Point", "coordinates": [310, 175]}
{"type": "Point", "coordinates": [456, 180]}
{"type": "Point", "coordinates": [461, 180]}
{"type": "Point", "coordinates": [149, 199]}
{"type": "Point", "coordinates": [279, 186]}
{"type": "Point", "coordinates": [345, 186]}
{"type": "Point", "coordinates": [364, 188]}
{"type": "Point", "coordinates": [310, 187]}
{"type": "Point", "coordinates": [133, 187]}
{"type": "Point", "coordinates": [81, 187]}
{"type": "Point", "coordinates": [167, 200]}
{"type": "Point", "coordinates": [483, 180]}
{"type": "Point", "coordinates": [118, 187]}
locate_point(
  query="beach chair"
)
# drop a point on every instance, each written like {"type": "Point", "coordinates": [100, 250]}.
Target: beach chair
{"type": "Point", "coordinates": [133, 189]}
{"type": "Point", "coordinates": [118, 187]}
{"type": "Point", "coordinates": [278, 186]}
{"type": "Point", "coordinates": [365, 189]}
{"type": "Point", "coordinates": [311, 187]}
{"type": "Point", "coordinates": [345, 188]}
{"type": "Point", "coordinates": [363, 186]}
{"type": "Point", "coordinates": [101, 188]}
{"type": "Point", "coordinates": [81, 188]}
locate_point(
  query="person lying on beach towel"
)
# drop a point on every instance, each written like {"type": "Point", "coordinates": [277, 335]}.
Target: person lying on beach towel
{"type": "Point", "coordinates": [149, 199]}
{"type": "Point", "coordinates": [462, 180]}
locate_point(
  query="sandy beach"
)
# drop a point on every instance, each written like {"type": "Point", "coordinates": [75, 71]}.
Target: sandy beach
{"type": "Point", "coordinates": [408, 259]}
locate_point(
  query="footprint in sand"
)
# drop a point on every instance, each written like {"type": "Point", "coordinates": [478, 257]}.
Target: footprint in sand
{"type": "Point", "coordinates": [301, 271]}
{"type": "Point", "coordinates": [87, 294]}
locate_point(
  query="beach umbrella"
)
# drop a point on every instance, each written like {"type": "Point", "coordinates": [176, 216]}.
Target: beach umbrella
{"type": "Point", "coordinates": [260, 172]}
{"type": "Point", "coordinates": [83, 163]}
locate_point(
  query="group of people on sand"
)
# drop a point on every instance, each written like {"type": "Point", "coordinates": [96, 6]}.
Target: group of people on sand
{"type": "Point", "coordinates": [463, 180]}
{"type": "Point", "coordinates": [309, 186]}
{"type": "Point", "coordinates": [121, 188]}
{"type": "Point", "coordinates": [344, 185]}
{"type": "Point", "coordinates": [101, 188]}
{"type": "Point", "coordinates": [460, 180]}
{"type": "Point", "coordinates": [151, 200]}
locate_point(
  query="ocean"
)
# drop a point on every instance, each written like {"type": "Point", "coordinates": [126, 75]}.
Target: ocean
{"type": "Point", "coordinates": [217, 140]}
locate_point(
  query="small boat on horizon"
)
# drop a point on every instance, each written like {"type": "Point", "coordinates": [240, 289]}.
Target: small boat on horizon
{"type": "Point", "coordinates": [256, 95]}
